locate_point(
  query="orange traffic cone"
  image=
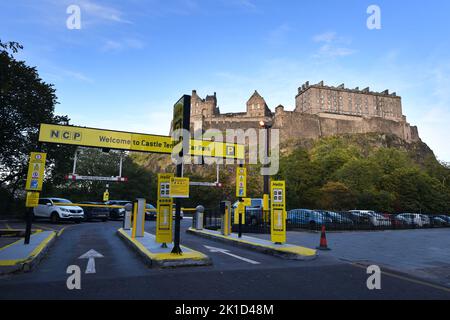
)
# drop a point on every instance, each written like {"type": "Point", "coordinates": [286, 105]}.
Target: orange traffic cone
{"type": "Point", "coordinates": [323, 241]}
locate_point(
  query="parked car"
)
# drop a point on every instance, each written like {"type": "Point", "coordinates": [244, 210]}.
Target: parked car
{"type": "Point", "coordinates": [93, 213]}
{"type": "Point", "coordinates": [254, 214]}
{"type": "Point", "coordinates": [426, 220]}
{"type": "Point", "coordinates": [370, 217]}
{"type": "Point", "coordinates": [412, 219]}
{"type": "Point", "coordinates": [445, 218]}
{"type": "Point", "coordinates": [307, 217]}
{"type": "Point", "coordinates": [336, 218]}
{"type": "Point", "coordinates": [150, 215]}
{"type": "Point", "coordinates": [438, 221]}
{"type": "Point", "coordinates": [397, 223]}
{"type": "Point", "coordinates": [117, 213]}
{"type": "Point", "coordinates": [47, 209]}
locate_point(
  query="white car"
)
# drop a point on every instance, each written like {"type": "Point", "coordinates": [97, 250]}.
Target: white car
{"type": "Point", "coordinates": [47, 209]}
{"type": "Point", "coordinates": [412, 219]}
{"type": "Point", "coordinates": [375, 219]}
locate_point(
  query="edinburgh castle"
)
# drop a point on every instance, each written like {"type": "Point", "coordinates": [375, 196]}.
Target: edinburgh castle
{"type": "Point", "coordinates": [320, 111]}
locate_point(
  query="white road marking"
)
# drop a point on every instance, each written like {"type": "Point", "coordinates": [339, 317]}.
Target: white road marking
{"type": "Point", "coordinates": [91, 255]}
{"type": "Point", "coordinates": [227, 252]}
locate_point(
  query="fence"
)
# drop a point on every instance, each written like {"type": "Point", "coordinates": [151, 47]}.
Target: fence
{"type": "Point", "coordinates": [258, 221]}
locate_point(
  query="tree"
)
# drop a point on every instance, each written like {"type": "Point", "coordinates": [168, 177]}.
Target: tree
{"type": "Point", "coordinates": [336, 196]}
{"type": "Point", "coordinates": [25, 102]}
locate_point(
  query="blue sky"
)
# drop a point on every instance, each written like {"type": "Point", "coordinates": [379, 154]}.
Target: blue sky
{"type": "Point", "coordinates": [131, 60]}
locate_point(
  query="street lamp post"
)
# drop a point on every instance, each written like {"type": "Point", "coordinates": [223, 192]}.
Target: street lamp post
{"type": "Point", "coordinates": [267, 126]}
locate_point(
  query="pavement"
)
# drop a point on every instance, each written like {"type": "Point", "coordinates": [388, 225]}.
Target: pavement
{"type": "Point", "coordinates": [17, 256]}
{"type": "Point", "coordinates": [236, 273]}
{"type": "Point", "coordinates": [421, 253]}
{"type": "Point", "coordinates": [285, 250]}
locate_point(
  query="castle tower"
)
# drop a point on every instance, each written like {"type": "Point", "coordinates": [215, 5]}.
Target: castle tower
{"type": "Point", "coordinates": [204, 107]}
{"type": "Point", "coordinates": [257, 107]}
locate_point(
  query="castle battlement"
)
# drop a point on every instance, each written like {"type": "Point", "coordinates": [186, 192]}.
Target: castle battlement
{"type": "Point", "coordinates": [319, 111]}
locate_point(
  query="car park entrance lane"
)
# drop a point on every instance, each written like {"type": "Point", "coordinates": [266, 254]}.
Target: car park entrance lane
{"type": "Point", "coordinates": [121, 274]}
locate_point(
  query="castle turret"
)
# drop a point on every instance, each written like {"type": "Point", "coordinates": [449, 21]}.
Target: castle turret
{"type": "Point", "coordinates": [257, 107]}
{"type": "Point", "coordinates": [204, 107]}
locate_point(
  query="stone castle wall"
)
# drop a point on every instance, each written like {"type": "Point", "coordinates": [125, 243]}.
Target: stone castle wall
{"type": "Point", "coordinates": [313, 117]}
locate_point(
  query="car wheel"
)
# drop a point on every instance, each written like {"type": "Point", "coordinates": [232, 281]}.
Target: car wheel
{"type": "Point", "coordinates": [54, 218]}
{"type": "Point", "coordinates": [104, 219]}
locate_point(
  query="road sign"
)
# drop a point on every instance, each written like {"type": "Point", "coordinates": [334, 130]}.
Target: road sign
{"type": "Point", "coordinates": [36, 168]}
{"type": "Point", "coordinates": [241, 182]}
{"type": "Point", "coordinates": [106, 196]}
{"type": "Point", "coordinates": [180, 121]}
{"type": "Point", "coordinates": [179, 187]}
{"type": "Point", "coordinates": [278, 211]}
{"type": "Point", "coordinates": [119, 140]}
{"type": "Point", "coordinates": [32, 199]}
{"type": "Point", "coordinates": [164, 208]}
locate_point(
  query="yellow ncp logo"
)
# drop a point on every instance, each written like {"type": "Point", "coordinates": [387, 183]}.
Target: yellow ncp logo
{"type": "Point", "coordinates": [65, 135]}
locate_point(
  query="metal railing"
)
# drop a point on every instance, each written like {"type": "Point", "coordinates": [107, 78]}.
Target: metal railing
{"type": "Point", "coordinates": [258, 221]}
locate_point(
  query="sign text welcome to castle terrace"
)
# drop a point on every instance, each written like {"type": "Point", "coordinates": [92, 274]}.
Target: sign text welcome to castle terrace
{"type": "Point", "coordinates": [109, 139]}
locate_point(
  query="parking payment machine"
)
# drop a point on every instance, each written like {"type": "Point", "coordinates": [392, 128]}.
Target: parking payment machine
{"type": "Point", "coordinates": [164, 216]}
{"type": "Point", "coordinates": [225, 209]}
{"type": "Point", "coordinates": [278, 212]}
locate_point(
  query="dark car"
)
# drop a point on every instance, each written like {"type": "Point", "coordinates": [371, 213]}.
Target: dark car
{"type": "Point", "coordinates": [150, 215]}
{"type": "Point", "coordinates": [95, 213]}
{"type": "Point", "coordinates": [117, 213]}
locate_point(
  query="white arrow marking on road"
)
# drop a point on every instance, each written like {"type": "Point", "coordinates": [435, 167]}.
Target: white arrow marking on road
{"type": "Point", "coordinates": [91, 255]}
{"type": "Point", "coordinates": [227, 252]}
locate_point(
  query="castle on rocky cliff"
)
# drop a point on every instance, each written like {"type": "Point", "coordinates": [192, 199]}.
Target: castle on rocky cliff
{"type": "Point", "coordinates": [320, 111]}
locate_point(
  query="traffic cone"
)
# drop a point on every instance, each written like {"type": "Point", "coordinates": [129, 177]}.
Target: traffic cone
{"type": "Point", "coordinates": [323, 241]}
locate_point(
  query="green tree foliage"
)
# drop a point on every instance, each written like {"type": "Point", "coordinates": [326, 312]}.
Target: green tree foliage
{"type": "Point", "coordinates": [25, 102]}
{"type": "Point", "coordinates": [340, 174]}
{"type": "Point", "coordinates": [93, 162]}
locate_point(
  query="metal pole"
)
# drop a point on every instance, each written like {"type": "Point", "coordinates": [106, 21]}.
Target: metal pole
{"type": "Point", "coordinates": [75, 158]}
{"type": "Point", "coordinates": [240, 212]}
{"type": "Point", "coordinates": [120, 165]}
{"type": "Point", "coordinates": [29, 221]}
{"type": "Point", "coordinates": [266, 177]}
{"type": "Point", "coordinates": [29, 213]}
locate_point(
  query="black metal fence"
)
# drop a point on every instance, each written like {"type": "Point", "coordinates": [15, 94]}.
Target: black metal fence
{"type": "Point", "coordinates": [258, 221]}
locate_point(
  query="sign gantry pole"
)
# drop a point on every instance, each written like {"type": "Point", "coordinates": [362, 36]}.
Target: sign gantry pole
{"type": "Point", "coordinates": [180, 126]}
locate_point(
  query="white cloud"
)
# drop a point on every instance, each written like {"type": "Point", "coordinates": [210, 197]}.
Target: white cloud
{"type": "Point", "coordinates": [128, 43]}
{"type": "Point", "coordinates": [101, 11]}
{"type": "Point", "coordinates": [332, 45]}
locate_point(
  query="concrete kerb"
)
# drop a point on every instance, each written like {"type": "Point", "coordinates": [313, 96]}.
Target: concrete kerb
{"type": "Point", "coordinates": [164, 259]}
{"type": "Point", "coordinates": [31, 260]}
{"type": "Point", "coordinates": [289, 252]}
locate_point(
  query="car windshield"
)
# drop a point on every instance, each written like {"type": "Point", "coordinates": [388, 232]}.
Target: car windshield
{"type": "Point", "coordinates": [61, 201]}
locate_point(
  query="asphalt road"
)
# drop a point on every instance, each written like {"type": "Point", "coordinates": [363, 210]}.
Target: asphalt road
{"type": "Point", "coordinates": [121, 274]}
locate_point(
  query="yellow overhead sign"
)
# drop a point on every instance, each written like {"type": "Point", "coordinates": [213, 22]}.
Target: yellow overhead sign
{"type": "Point", "coordinates": [179, 187]}
{"type": "Point", "coordinates": [110, 139]}
{"type": "Point", "coordinates": [36, 168]}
